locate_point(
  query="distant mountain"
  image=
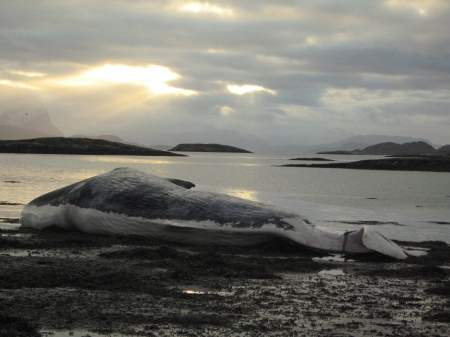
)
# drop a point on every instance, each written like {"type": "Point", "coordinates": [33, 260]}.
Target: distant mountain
{"type": "Point", "coordinates": [444, 149]}
{"type": "Point", "coordinates": [208, 148]}
{"type": "Point", "coordinates": [81, 146]}
{"type": "Point", "coordinates": [161, 147]}
{"type": "Point", "coordinates": [110, 138]}
{"type": "Point", "coordinates": [20, 108]}
{"type": "Point", "coordinates": [14, 133]}
{"type": "Point", "coordinates": [217, 136]}
{"type": "Point", "coordinates": [32, 118]}
{"type": "Point", "coordinates": [363, 141]}
{"type": "Point", "coordinates": [391, 148]}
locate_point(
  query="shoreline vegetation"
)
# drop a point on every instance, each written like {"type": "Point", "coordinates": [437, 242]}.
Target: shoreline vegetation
{"type": "Point", "coordinates": [56, 282]}
{"type": "Point", "coordinates": [77, 146]}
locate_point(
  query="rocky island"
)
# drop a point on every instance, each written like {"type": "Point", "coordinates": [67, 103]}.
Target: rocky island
{"type": "Point", "coordinates": [423, 163]}
{"type": "Point", "coordinates": [79, 146]}
{"type": "Point", "coordinates": [414, 156]}
{"type": "Point", "coordinates": [390, 148]}
{"type": "Point", "coordinates": [208, 148]}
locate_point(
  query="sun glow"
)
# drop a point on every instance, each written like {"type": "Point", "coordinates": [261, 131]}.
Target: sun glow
{"type": "Point", "coordinates": [27, 74]}
{"type": "Point", "coordinates": [422, 7]}
{"type": "Point", "coordinates": [226, 110]}
{"type": "Point", "coordinates": [243, 89]}
{"type": "Point", "coordinates": [153, 77]}
{"type": "Point", "coordinates": [198, 7]}
{"type": "Point", "coordinates": [17, 84]}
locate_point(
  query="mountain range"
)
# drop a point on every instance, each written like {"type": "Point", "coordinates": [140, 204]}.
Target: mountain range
{"type": "Point", "coordinates": [25, 121]}
{"type": "Point", "coordinates": [31, 121]}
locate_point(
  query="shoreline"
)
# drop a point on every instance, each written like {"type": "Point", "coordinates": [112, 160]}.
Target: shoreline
{"type": "Point", "coordinates": [425, 164]}
{"type": "Point", "coordinates": [140, 286]}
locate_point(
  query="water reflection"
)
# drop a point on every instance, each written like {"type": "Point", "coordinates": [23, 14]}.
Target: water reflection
{"type": "Point", "coordinates": [327, 197]}
{"type": "Point", "coordinates": [195, 292]}
{"type": "Point", "coordinates": [244, 194]}
{"type": "Point", "coordinates": [127, 160]}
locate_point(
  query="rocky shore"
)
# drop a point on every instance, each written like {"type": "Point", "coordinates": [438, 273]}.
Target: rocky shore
{"type": "Point", "coordinates": [55, 283]}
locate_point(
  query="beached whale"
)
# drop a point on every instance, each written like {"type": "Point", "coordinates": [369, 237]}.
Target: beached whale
{"type": "Point", "coordinates": [127, 201]}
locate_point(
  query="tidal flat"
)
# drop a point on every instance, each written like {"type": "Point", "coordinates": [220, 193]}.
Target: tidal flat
{"type": "Point", "coordinates": [57, 283]}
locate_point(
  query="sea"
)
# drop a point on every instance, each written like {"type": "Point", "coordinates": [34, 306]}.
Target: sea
{"type": "Point", "coordinates": [402, 205]}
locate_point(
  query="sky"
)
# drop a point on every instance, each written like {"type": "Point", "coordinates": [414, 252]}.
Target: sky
{"type": "Point", "coordinates": [285, 72]}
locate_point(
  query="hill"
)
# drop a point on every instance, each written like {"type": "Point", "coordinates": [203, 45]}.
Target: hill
{"type": "Point", "coordinates": [80, 146]}
{"type": "Point", "coordinates": [208, 148]}
{"type": "Point", "coordinates": [390, 148]}
{"type": "Point", "coordinates": [444, 149]}
{"type": "Point", "coordinates": [363, 141]}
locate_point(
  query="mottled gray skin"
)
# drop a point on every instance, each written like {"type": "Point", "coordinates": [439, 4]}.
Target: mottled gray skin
{"type": "Point", "coordinates": [137, 194]}
{"type": "Point", "coordinates": [127, 201]}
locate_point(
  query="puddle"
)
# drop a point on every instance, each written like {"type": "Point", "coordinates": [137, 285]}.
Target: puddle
{"type": "Point", "coordinates": [333, 272]}
{"type": "Point", "coordinates": [193, 292]}
{"type": "Point", "coordinates": [9, 226]}
{"type": "Point", "coordinates": [207, 292]}
{"type": "Point", "coordinates": [332, 258]}
{"type": "Point", "coordinates": [21, 253]}
{"type": "Point", "coordinates": [16, 235]}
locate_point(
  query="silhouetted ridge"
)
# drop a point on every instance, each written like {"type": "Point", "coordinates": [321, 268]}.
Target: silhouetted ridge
{"type": "Point", "coordinates": [208, 148]}
{"type": "Point", "coordinates": [83, 146]}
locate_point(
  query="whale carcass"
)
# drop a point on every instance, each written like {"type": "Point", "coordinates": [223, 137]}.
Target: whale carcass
{"type": "Point", "coordinates": [126, 201]}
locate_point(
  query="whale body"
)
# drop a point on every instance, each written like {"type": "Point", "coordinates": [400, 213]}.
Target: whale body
{"type": "Point", "coordinates": [126, 201]}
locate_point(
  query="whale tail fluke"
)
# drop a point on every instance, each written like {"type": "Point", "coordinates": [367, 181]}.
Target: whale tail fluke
{"type": "Point", "coordinates": [374, 240]}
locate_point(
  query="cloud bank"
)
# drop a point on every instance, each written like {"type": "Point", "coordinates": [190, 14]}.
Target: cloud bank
{"type": "Point", "coordinates": [286, 72]}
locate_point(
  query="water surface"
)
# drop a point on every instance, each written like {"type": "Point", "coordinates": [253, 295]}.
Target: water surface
{"type": "Point", "coordinates": [402, 204]}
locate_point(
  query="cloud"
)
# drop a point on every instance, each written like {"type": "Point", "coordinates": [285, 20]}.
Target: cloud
{"type": "Point", "coordinates": [321, 65]}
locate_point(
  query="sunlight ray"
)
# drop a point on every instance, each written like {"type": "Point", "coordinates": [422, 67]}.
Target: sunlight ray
{"type": "Point", "coordinates": [153, 77]}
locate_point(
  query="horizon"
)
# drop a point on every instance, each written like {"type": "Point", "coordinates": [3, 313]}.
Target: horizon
{"type": "Point", "coordinates": [341, 146]}
{"type": "Point", "coordinates": [302, 72]}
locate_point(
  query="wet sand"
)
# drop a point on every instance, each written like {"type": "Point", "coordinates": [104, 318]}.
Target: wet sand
{"type": "Point", "coordinates": [55, 283]}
